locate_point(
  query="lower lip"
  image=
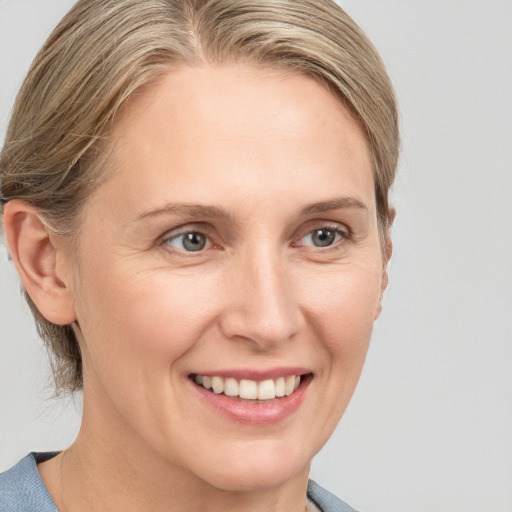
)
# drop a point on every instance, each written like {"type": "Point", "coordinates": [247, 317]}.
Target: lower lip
{"type": "Point", "coordinates": [253, 412]}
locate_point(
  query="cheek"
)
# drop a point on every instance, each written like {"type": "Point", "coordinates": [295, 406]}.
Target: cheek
{"type": "Point", "coordinates": [342, 308]}
{"type": "Point", "coordinates": [138, 330]}
{"type": "Point", "coordinates": [139, 324]}
{"type": "Point", "coordinates": [145, 316]}
{"type": "Point", "coordinates": [346, 297]}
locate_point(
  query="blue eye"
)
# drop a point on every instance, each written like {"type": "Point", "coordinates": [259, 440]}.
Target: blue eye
{"type": "Point", "coordinates": [323, 237]}
{"type": "Point", "coordinates": [191, 241]}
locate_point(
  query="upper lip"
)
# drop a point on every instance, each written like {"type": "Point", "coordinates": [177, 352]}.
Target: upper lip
{"type": "Point", "coordinates": [255, 374]}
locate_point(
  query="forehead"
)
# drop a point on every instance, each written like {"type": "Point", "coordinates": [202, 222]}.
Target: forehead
{"type": "Point", "coordinates": [243, 126]}
{"type": "Point", "coordinates": [220, 93]}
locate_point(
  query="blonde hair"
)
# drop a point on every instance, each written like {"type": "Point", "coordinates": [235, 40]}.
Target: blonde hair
{"type": "Point", "coordinates": [103, 50]}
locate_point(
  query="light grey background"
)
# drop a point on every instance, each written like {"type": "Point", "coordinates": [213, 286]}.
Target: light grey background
{"type": "Point", "coordinates": [430, 425]}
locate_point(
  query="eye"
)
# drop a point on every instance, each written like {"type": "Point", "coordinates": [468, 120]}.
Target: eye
{"type": "Point", "coordinates": [323, 237]}
{"type": "Point", "coordinates": [191, 241]}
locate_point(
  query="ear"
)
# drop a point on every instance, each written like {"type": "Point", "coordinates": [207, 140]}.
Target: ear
{"type": "Point", "coordinates": [39, 260]}
{"type": "Point", "coordinates": [387, 256]}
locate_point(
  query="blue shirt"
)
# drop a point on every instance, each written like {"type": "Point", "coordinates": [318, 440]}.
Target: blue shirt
{"type": "Point", "coordinates": [23, 490]}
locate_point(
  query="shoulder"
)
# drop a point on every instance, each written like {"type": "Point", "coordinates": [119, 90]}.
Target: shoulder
{"type": "Point", "coordinates": [23, 490]}
{"type": "Point", "coordinates": [326, 501]}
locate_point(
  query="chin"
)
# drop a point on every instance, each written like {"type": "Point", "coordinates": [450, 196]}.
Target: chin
{"type": "Point", "coordinates": [257, 469]}
{"type": "Point", "coordinates": [263, 478]}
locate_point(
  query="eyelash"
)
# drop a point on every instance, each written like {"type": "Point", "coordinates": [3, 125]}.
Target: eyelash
{"type": "Point", "coordinates": [344, 234]}
{"type": "Point", "coordinates": [203, 230]}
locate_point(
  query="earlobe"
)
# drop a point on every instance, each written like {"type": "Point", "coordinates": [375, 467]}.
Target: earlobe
{"type": "Point", "coordinates": [33, 249]}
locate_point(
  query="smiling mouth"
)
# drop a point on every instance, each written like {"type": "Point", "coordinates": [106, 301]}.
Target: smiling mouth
{"type": "Point", "coordinates": [247, 389]}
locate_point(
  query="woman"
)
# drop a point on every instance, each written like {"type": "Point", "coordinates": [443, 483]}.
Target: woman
{"type": "Point", "coordinates": [196, 201]}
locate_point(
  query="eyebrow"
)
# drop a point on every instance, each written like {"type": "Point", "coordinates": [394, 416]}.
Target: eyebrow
{"type": "Point", "coordinates": [216, 212]}
{"type": "Point", "coordinates": [188, 210]}
{"type": "Point", "coordinates": [334, 204]}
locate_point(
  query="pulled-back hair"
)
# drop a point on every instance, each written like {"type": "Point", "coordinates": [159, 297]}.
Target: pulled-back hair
{"type": "Point", "coordinates": [104, 50]}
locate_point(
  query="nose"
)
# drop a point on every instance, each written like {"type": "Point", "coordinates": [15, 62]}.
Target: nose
{"type": "Point", "coordinates": [263, 306]}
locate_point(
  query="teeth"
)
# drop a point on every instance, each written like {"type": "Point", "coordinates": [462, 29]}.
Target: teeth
{"type": "Point", "coordinates": [280, 387]}
{"type": "Point", "coordinates": [231, 387]}
{"type": "Point", "coordinates": [266, 390]}
{"type": "Point", "coordinates": [207, 382]}
{"type": "Point", "coordinates": [250, 389]}
{"type": "Point", "coordinates": [217, 385]}
{"type": "Point", "coordinates": [289, 385]}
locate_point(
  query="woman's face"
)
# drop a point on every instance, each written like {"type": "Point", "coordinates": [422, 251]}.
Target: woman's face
{"type": "Point", "coordinates": [235, 242]}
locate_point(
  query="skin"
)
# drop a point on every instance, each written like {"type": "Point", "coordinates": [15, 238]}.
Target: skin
{"type": "Point", "coordinates": [263, 146]}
